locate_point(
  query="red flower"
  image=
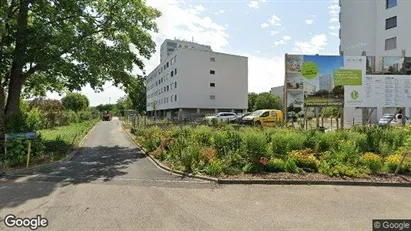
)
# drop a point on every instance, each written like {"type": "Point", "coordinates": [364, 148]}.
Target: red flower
{"type": "Point", "coordinates": [263, 160]}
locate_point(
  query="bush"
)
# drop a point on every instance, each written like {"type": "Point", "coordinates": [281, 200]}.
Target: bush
{"type": "Point", "coordinates": [255, 147]}
{"type": "Point", "coordinates": [85, 115]}
{"type": "Point", "coordinates": [17, 151]}
{"type": "Point", "coordinates": [305, 159]}
{"type": "Point", "coordinates": [215, 168]}
{"type": "Point", "coordinates": [203, 135]}
{"type": "Point", "coordinates": [208, 154]}
{"type": "Point", "coordinates": [190, 157]}
{"type": "Point", "coordinates": [392, 161]}
{"type": "Point", "coordinates": [290, 166]}
{"type": "Point", "coordinates": [373, 161]}
{"type": "Point", "coordinates": [34, 119]}
{"type": "Point", "coordinates": [72, 117]}
{"type": "Point", "coordinates": [275, 165]}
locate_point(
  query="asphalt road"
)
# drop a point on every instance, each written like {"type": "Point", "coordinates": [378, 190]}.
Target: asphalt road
{"type": "Point", "coordinates": [110, 185]}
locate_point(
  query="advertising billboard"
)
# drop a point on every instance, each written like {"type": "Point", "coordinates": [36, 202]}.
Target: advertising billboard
{"type": "Point", "coordinates": [352, 81]}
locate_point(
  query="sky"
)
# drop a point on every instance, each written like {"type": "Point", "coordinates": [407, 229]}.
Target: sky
{"type": "Point", "coordinates": [262, 30]}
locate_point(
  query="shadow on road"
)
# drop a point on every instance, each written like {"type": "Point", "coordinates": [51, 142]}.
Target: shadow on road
{"type": "Point", "coordinates": [94, 163]}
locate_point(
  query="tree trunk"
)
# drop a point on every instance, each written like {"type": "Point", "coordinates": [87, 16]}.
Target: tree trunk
{"type": "Point", "coordinates": [2, 122]}
{"type": "Point", "coordinates": [16, 77]}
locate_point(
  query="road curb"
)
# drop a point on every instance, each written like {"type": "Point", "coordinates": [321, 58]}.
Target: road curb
{"type": "Point", "coordinates": [68, 157]}
{"type": "Point", "coordinates": [161, 166]}
{"type": "Point", "coordinates": [264, 181]}
{"type": "Point", "coordinates": [311, 182]}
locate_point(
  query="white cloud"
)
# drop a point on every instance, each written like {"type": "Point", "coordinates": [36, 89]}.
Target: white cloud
{"type": "Point", "coordinates": [273, 21]}
{"type": "Point", "coordinates": [253, 4]}
{"type": "Point", "coordinates": [265, 25]}
{"type": "Point", "coordinates": [283, 41]}
{"type": "Point", "coordinates": [333, 11]}
{"type": "Point", "coordinates": [220, 12]}
{"type": "Point", "coordinates": [309, 21]}
{"type": "Point", "coordinates": [314, 46]}
{"type": "Point", "coordinates": [274, 32]}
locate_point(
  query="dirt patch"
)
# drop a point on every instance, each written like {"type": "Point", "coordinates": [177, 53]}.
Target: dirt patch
{"type": "Point", "coordinates": [384, 178]}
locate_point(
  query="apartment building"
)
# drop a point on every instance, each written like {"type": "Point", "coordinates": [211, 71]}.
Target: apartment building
{"type": "Point", "coordinates": [375, 28]}
{"type": "Point", "coordinates": [278, 91]}
{"type": "Point", "coordinates": [309, 88]}
{"type": "Point", "coordinates": [326, 82]}
{"type": "Point", "coordinates": [194, 80]}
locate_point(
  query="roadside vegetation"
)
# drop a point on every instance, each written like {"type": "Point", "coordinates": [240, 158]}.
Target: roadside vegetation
{"type": "Point", "coordinates": [359, 152]}
{"type": "Point", "coordinates": [59, 129]}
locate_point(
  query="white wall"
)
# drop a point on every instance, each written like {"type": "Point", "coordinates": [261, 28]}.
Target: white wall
{"type": "Point", "coordinates": [363, 27]}
{"type": "Point", "coordinates": [194, 78]}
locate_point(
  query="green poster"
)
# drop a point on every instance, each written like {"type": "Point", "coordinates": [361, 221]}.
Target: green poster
{"type": "Point", "coordinates": [309, 70]}
{"type": "Point", "coordinates": [348, 77]}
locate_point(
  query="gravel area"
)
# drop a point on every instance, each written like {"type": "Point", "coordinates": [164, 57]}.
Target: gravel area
{"type": "Point", "coordinates": [386, 178]}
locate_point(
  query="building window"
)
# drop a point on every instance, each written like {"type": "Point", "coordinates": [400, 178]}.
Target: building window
{"type": "Point", "coordinates": [175, 71]}
{"type": "Point", "coordinates": [175, 85]}
{"type": "Point", "coordinates": [212, 59]}
{"type": "Point", "coordinates": [391, 22]}
{"type": "Point", "coordinates": [212, 84]}
{"type": "Point", "coordinates": [175, 99]}
{"type": "Point", "coordinates": [212, 72]}
{"type": "Point", "coordinates": [212, 97]}
{"type": "Point", "coordinates": [391, 43]}
{"type": "Point", "coordinates": [179, 45]}
{"type": "Point", "coordinates": [172, 74]}
{"type": "Point", "coordinates": [167, 64]}
{"type": "Point", "coordinates": [165, 89]}
{"type": "Point", "coordinates": [168, 88]}
{"type": "Point", "coordinates": [390, 3]}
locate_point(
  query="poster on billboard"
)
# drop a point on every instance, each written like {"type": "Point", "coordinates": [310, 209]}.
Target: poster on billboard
{"type": "Point", "coordinates": [387, 83]}
{"type": "Point", "coordinates": [352, 81]}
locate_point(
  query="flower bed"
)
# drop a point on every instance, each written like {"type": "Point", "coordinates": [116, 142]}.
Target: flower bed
{"type": "Point", "coordinates": [361, 152]}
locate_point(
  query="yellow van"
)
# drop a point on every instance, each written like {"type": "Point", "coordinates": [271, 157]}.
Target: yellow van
{"type": "Point", "coordinates": [264, 117]}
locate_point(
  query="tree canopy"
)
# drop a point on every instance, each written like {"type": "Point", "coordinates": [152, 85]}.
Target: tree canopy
{"type": "Point", "coordinates": [67, 44]}
{"type": "Point", "coordinates": [75, 102]}
{"type": "Point", "coordinates": [267, 100]}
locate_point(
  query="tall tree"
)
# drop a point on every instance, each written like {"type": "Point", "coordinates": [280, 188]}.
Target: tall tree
{"type": "Point", "coordinates": [75, 102]}
{"type": "Point", "coordinates": [67, 44]}
{"type": "Point", "coordinates": [251, 100]}
{"type": "Point", "coordinates": [137, 93]}
{"type": "Point", "coordinates": [267, 100]}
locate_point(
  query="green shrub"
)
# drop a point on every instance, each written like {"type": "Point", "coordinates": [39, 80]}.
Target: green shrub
{"type": "Point", "coordinates": [346, 152]}
{"type": "Point", "coordinates": [72, 117]}
{"type": "Point", "coordinates": [190, 157]}
{"type": "Point", "coordinates": [17, 151]}
{"type": "Point", "coordinates": [275, 165]}
{"type": "Point", "coordinates": [279, 144]}
{"type": "Point", "coordinates": [202, 135]}
{"type": "Point", "coordinates": [373, 161]}
{"type": "Point", "coordinates": [221, 143]}
{"type": "Point", "coordinates": [34, 119]}
{"type": "Point", "coordinates": [231, 170]}
{"type": "Point", "coordinates": [326, 141]}
{"type": "Point", "coordinates": [215, 168]}
{"type": "Point", "coordinates": [304, 159]}
{"type": "Point", "coordinates": [290, 166]}
{"type": "Point", "coordinates": [85, 115]}
{"type": "Point", "coordinates": [255, 146]}
{"type": "Point", "coordinates": [392, 161]}
{"type": "Point", "coordinates": [253, 168]}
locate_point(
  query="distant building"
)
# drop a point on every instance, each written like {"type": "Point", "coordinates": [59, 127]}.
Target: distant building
{"type": "Point", "coordinates": [194, 80]}
{"type": "Point", "coordinates": [326, 82]}
{"type": "Point", "coordinates": [309, 89]}
{"type": "Point", "coordinates": [279, 91]}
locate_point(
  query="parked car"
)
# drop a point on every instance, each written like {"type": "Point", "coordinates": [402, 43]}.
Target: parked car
{"type": "Point", "coordinates": [221, 117]}
{"type": "Point", "coordinates": [239, 119]}
{"type": "Point", "coordinates": [106, 116]}
{"type": "Point", "coordinates": [392, 120]}
{"type": "Point", "coordinates": [265, 117]}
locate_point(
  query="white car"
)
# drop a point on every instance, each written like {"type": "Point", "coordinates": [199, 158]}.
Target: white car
{"type": "Point", "coordinates": [222, 116]}
{"type": "Point", "coordinates": [395, 120]}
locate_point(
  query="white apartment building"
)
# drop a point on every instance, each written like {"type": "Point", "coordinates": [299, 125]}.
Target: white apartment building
{"type": "Point", "coordinates": [279, 91]}
{"type": "Point", "coordinates": [375, 28]}
{"type": "Point", "coordinates": [325, 82]}
{"type": "Point", "coordinates": [309, 88]}
{"type": "Point", "coordinates": [194, 80]}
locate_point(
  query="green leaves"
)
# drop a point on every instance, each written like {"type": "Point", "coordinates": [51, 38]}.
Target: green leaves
{"type": "Point", "coordinates": [75, 102]}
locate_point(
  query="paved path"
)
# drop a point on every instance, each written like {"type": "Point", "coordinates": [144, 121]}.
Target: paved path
{"type": "Point", "coordinates": [111, 186]}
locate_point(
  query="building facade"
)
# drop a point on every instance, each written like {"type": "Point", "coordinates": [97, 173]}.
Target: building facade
{"type": "Point", "coordinates": [326, 82]}
{"type": "Point", "coordinates": [192, 80]}
{"type": "Point", "coordinates": [309, 89]}
{"type": "Point", "coordinates": [375, 28]}
{"type": "Point", "coordinates": [278, 91]}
